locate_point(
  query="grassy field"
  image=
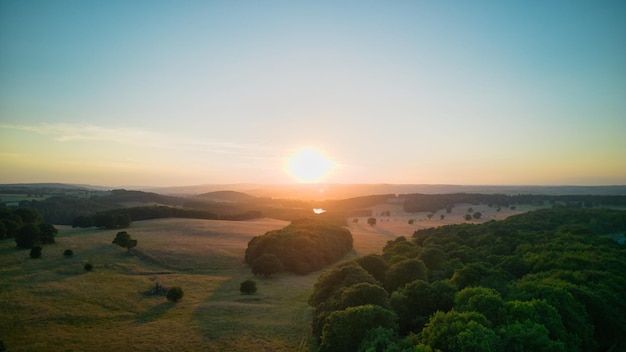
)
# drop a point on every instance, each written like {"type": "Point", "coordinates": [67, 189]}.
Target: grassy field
{"type": "Point", "coordinates": [52, 304]}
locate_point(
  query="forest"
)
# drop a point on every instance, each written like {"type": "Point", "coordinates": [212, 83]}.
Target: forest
{"type": "Point", "coordinates": [548, 280]}
{"type": "Point", "coordinates": [433, 202]}
{"type": "Point", "coordinates": [304, 246]}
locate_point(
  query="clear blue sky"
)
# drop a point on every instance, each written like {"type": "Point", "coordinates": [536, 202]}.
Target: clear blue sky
{"type": "Point", "coordinates": [192, 92]}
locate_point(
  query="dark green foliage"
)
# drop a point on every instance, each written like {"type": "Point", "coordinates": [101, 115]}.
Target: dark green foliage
{"type": "Point", "coordinates": [25, 225]}
{"type": "Point", "coordinates": [303, 246]}
{"type": "Point", "coordinates": [546, 280]}
{"type": "Point", "coordinates": [175, 294]}
{"type": "Point", "coordinates": [375, 265]}
{"type": "Point", "coordinates": [35, 252]}
{"type": "Point", "coordinates": [124, 240]}
{"type": "Point", "coordinates": [477, 215]}
{"type": "Point", "coordinates": [27, 235]}
{"type": "Point", "coordinates": [248, 287]}
{"type": "Point", "coordinates": [460, 332]}
{"type": "Point", "coordinates": [418, 300]}
{"type": "Point", "coordinates": [384, 340]}
{"type": "Point", "coordinates": [47, 233]}
{"type": "Point", "coordinates": [68, 253]}
{"type": "Point", "coordinates": [345, 329]}
{"type": "Point", "coordinates": [3, 230]}
{"type": "Point", "coordinates": [404, 272]}
{"type": "Point", "coordinates": [28, 215]}
{"type": "Point", "coordinates": [88, 267]}
{"type": "Point", "coordinates": [336, 279]}
{"type": "Point", "coordinates": [267, 264]}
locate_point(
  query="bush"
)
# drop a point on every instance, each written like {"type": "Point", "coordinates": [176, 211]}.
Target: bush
{"type": "Point", "coordinates": [68, 253]}
{"type": "Point", "coordinates": [175, 294]}
{"type": "Point", "coordinates": [248, 287]}
{"type": "Point", "coordinates": [88, 267]}
{"type": "Point", "coordinates": [35, 252]}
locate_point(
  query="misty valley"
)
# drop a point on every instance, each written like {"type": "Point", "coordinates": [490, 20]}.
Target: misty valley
{"type": "Point", "coordinates": [92, 269]}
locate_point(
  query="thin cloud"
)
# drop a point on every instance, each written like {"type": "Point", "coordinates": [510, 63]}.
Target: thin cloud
{"type": "Point", "coordinates": [66, 133]}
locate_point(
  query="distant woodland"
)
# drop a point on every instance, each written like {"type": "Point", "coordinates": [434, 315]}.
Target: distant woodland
{"type": "Point", "coordinates": [547, 280]}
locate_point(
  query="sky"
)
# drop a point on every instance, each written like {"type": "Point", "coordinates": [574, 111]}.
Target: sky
{"type": "Point", "coordinates": [166, 93]}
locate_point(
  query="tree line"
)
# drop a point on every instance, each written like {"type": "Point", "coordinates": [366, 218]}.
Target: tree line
{"type": "Point", "coordinates": [304, 246]}
{"type": "Point", "coordinates": [433, 202]}
{"type": "Point", "coordinates": [25, 225]}
{"type": "Point", "coordinates": [123, 217]}
{"type": "Point", "coordinates": [546, 280]}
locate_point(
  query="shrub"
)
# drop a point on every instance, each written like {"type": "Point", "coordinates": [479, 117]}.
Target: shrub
{"type": "Point", "coordinates": [88, 267]}
{"type": "Point", "coordinates": [68, 253]}
{"type": "Point", "coordinates": [248, 287]}
{"type": "Point", "coordinates": [35, 252]}
{"type": "Point", "coordinates": [175, 294]}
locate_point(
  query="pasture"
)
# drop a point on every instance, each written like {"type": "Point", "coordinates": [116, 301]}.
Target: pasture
{"type": "Point", "coordinates": [53, 304]}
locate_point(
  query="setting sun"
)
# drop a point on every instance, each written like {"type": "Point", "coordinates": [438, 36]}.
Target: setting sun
{"type": "Point", "coordinates": [309, 166]}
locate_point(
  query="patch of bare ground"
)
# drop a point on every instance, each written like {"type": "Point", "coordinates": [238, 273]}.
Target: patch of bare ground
{"type": "Point", "coordinates": [371, 239]}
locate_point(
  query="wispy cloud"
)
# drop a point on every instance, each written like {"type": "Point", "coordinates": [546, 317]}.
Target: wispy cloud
{"type": "Point", "coordinates": [67, 133]}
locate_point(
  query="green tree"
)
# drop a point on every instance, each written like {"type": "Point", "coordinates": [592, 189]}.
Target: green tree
{"type": "Point", "coordinates": [27, 235]}
{"type": "Point", "coordinates": [484, 300]}
{"type": "Point", "coordinates": [3, 230]}
{"type": "Point", "coordinates": [477, 215]}
{"type": "Point", "coordinates": [361, 294]}
{"type": "Point", "coordinates": [48, 232]}
{"type": "Point", "coordinates": [124, 240]}
{"type": "Point", "coordinates": [345, 329]}
{"type": "Point", "coordinates": [384, 340]}
{"type": "Point", "coordinates": [404, 272]}
{"type": "Point", "coordinates": [331, 282]}
{"type": "Point", "coordinates": [371, 221]}
{"type": "Point", "coordinates": [267, 264]}
{"type": "Point", "coordinates": [28, 215]}
{"type": "Point", "coordinates": [248, 287]}
{"type": "Point", "coordinates": [35, 252]}
{"type": "Point", "coordinates": [175, 294]}
{"type": "Point", "coordinates": [460, 332]}
{"type": "Point", "coordinates": [375, 265]}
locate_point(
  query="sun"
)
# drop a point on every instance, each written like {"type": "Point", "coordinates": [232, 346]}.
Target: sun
{"type": "Point", "coordinates": [309, 166]}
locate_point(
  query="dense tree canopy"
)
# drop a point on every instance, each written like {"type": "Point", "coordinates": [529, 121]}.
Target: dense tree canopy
{"type": "Point", "coordinates": [25, 225]}
{"type": "Point", "coordinates": [303, 246]}
{"type": "Point", "coordinates": [547, 280]}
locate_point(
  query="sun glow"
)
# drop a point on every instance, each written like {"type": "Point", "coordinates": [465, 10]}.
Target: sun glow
{"type": "Point", "coordinates": [309, 166]}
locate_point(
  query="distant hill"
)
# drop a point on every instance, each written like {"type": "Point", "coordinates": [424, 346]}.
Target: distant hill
{"type": "Point", "coordinates": [228, 196]}
{"type": "Point", "coordinates": [334, 191]}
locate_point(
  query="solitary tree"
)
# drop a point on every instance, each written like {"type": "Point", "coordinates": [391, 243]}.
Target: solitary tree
{"type": "Point", "coordinates": [477, 215]}
{"type": "Point", "coordinates": [371, 221]}
{"type": "Point", "coordinates": [35, 252]}
{"type": "Point", "coordinates": [124, 240]}
{"type": "Point", "coordinates": [175, 294]}
{"type": "Point", "coordinates": [248, 287]}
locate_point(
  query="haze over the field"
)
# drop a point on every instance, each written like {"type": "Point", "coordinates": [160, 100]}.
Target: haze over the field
{"type": "Point", "coordinates": [192, 92]}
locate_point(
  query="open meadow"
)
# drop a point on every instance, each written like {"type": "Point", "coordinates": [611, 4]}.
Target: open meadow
{"type": "Point", "coordinates": [53, 304]}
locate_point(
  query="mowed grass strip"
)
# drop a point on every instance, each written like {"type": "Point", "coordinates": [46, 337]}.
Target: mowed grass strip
{"type": "Point", "coordinates": [53, 304]}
